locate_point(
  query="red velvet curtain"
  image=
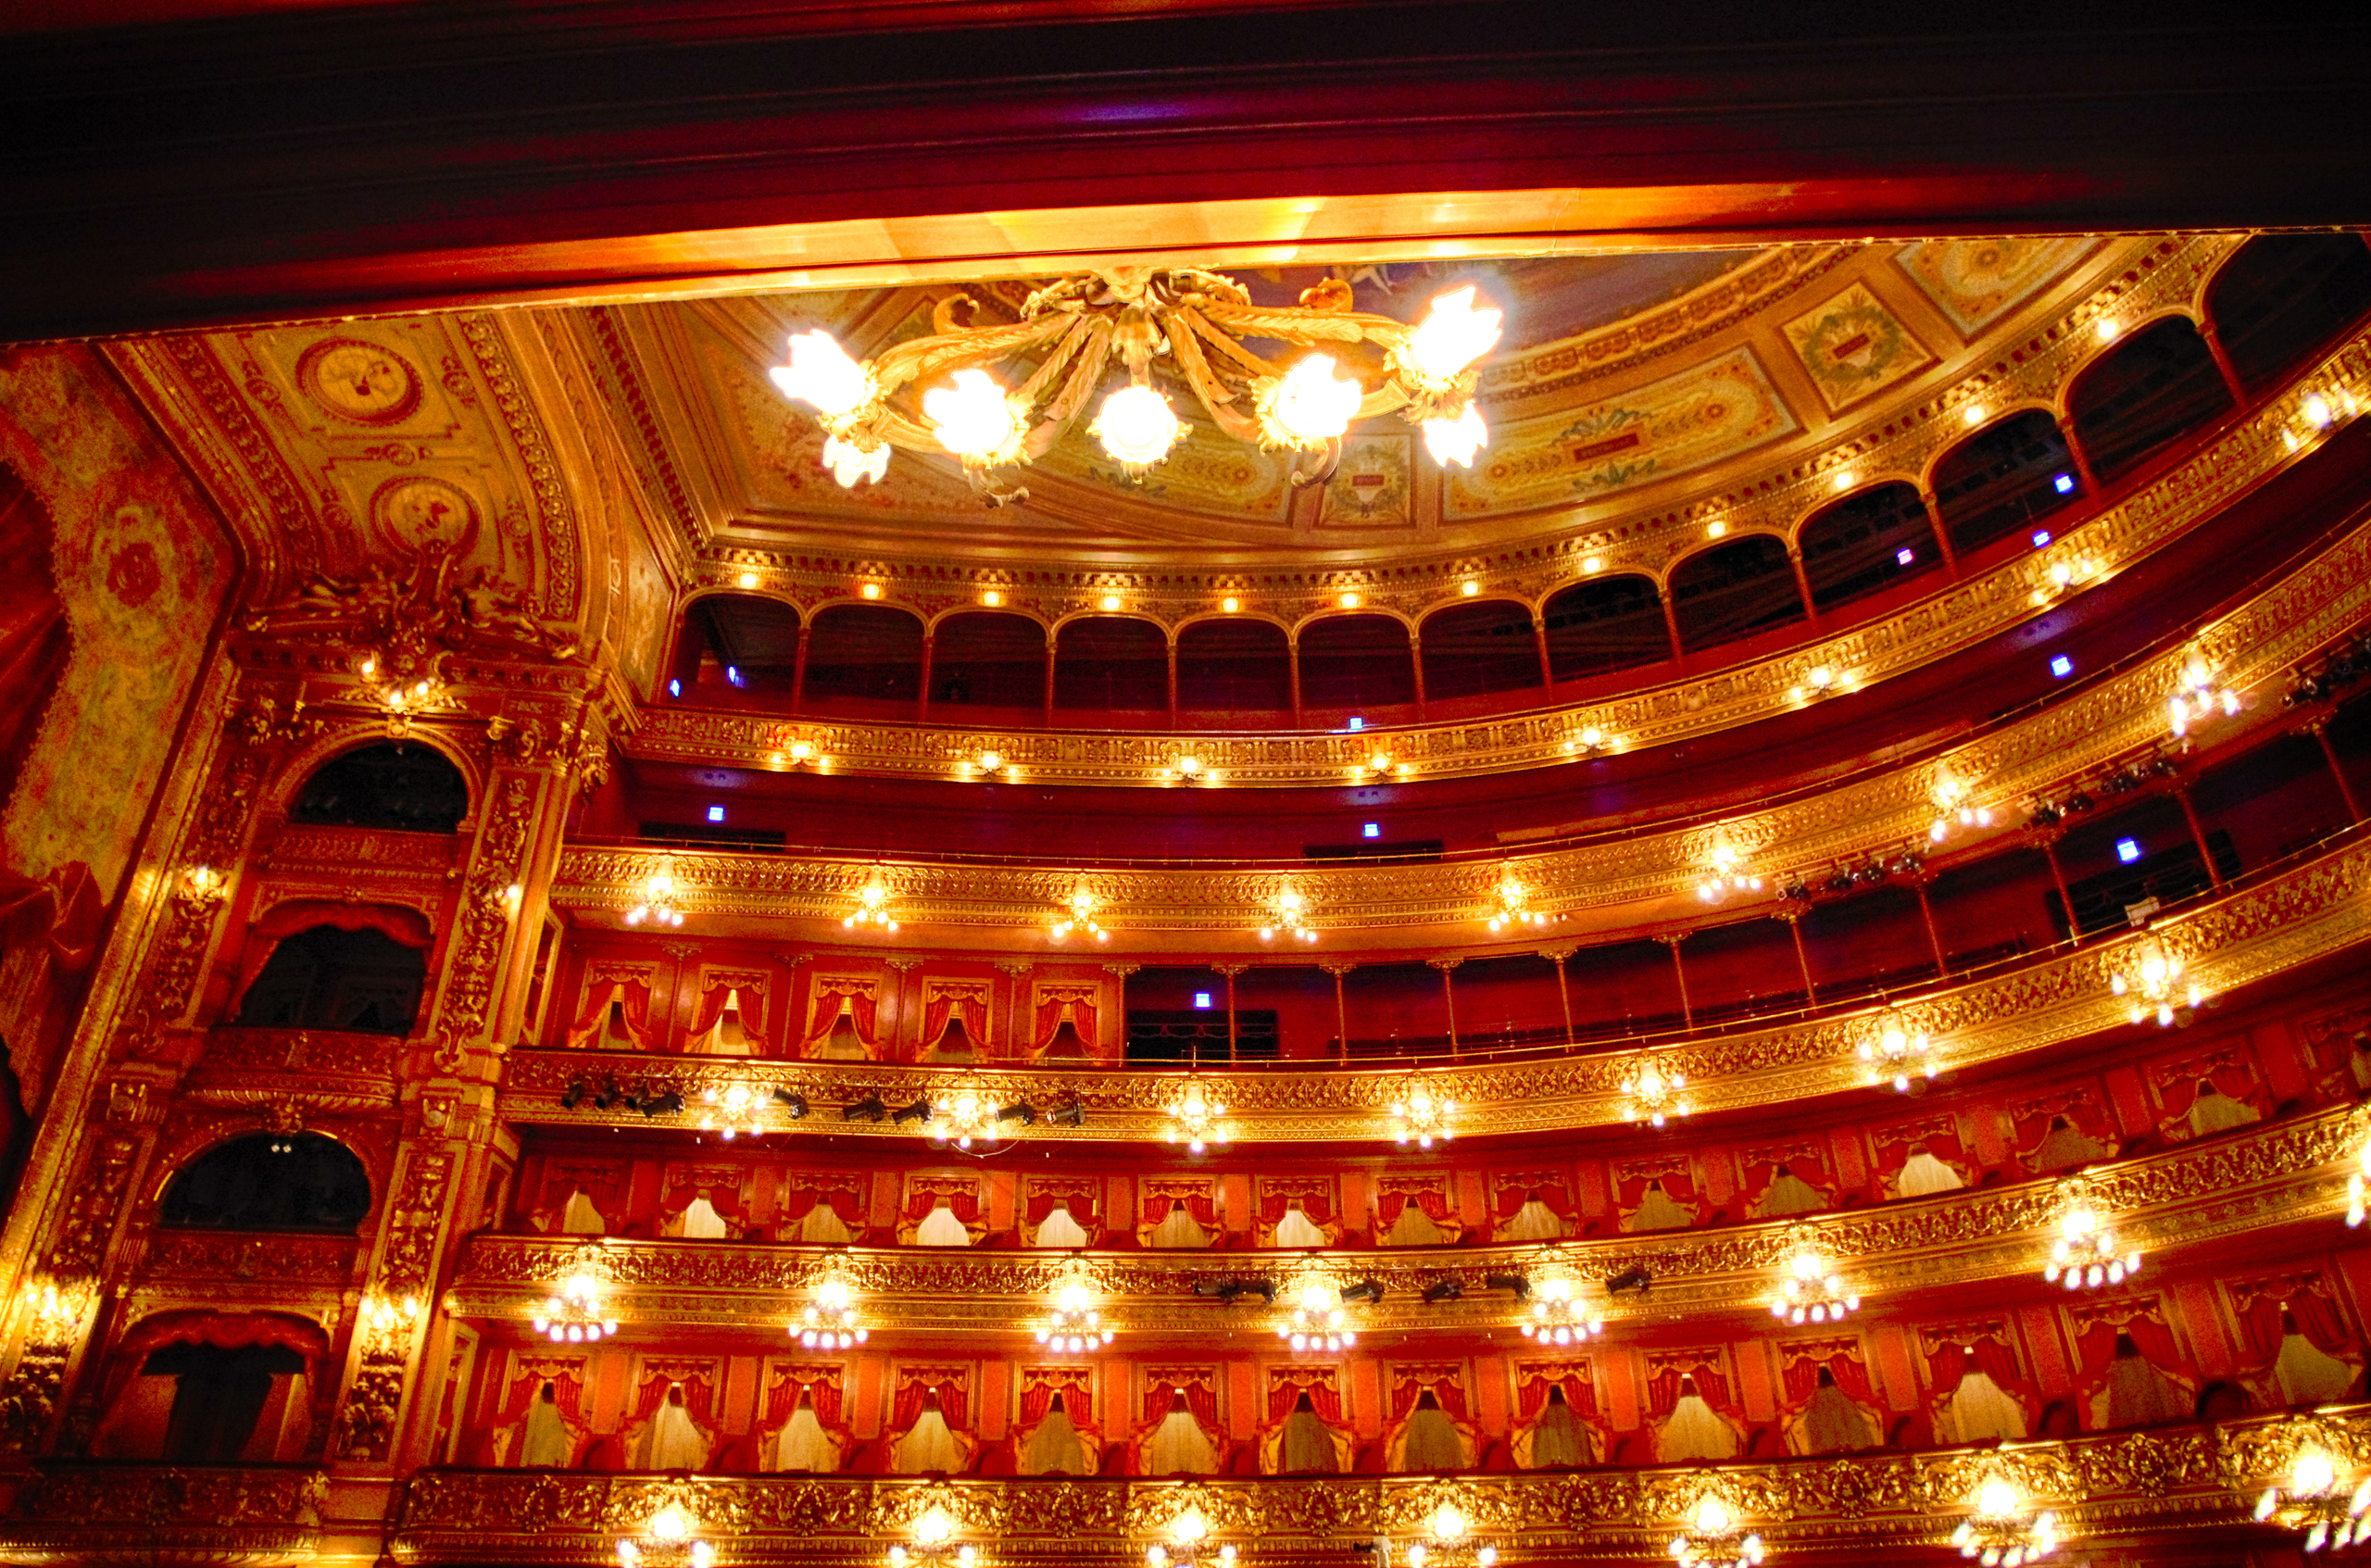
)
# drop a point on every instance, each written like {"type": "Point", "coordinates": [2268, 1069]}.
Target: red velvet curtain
{"type": "Point", "coordinates": [1764, 1165]}
{"type": "Point", "coordinates": [971, 1008]}
{"type": "Point", "coordinates": [1550, 1191]}
{"type": "Point", "coordinates": [915, 1386]}
{"type": "Point", "coordinates": [1080, 1010]}
{"type": "Point", "coordinates": [1200, 1202]}
{"type": "Point", "coordinates": [605, 1186]}
{"type": "Point", "coordinates": [2152, 1335]}
{"type": "Point", "coordinates": [1678, 1182]}
{"type": "Point", "coordinates": [1162, 1389]}
{"type": "Point", "coordinates": [1430, 1201]}
{"type": "Point", "coordinates": [1038, 1388]}
{"type": "Point", "coordinates": [861, 1008]}
{"type": "Point", "coordinates": [1799, 1374]}
{"type": "Point", "coordinates": [1315, 1202]}
{"type": "Point", "coordinates": [700, 1390]}
{"type": "Point", "coordinates": [34, 640]}
{"type": "Point", "coordinates": [1286, 1388]}
{"type": "Point", "coordinates": [1940, 1139]}
{"type": "Point", "coordinates": [963, 1201]}
{"type": "Point", "coordinates": [1410, 1386]}
{"type": "Point", "coordinates": [846, 1200]}
{"type": "Point", "coordinates": [594, 1007]}
{"type": "Point", "coordinates": [2318, 1319]}
{"type": "Point", "coordinates": [1533, 1383]}
{"type": "Point", "coordinates": [405, 927]}
{"type": "Point", "coordinates": [822, 1383]}
{"type": "Point", "coordinates": [753, 1006]}
{"type": "Point", "coordinates": [1077, 1196]}
{"type": "Point", "coordinates": [528, 1378]}
{"type": "Point", "coordinates": [1950, 1361]}
{"type": "Point", "coordinates": [1663, 1389]}
{"type": "Point", "coordinates": [227, 1330]}
{"type": "Point", "coordinates": [722, 1192]}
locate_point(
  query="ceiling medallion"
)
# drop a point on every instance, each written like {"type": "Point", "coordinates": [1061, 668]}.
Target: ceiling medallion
{"type": "Point", "coordinates": [1195, 323]}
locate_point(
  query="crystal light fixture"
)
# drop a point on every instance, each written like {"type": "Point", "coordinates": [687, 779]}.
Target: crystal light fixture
{"type": "Point", "coordinates": [1711, 1538]}
{"type": "Point", "coordinates": [2000, 1532]}
{"type": "Point", "coordinates": [934, 1542]}
{"type": "Point", "coordinates": [1078, 914]}
{"type": "Point", "coordinates": [1654, 1093]}
{"type": "Point", "coordinates": [732, 1111]}
{"type": "Point", "coordinates": [830, 1322]}
{"type": "Point", "coordinates": [986, 764]}
{"type": "Point", "coordinates": [1189, 1545]}
{"type": "Point", "coordinates": [1290, 917]}
{"type": "Point", "coordinates": [1557, 1316]}
{"type": "Point", "coordinates": [571, 1314]}
{"type": "Point", "coordinates": [1448, 1542]}
{"type": "Point", "coordinates": [871, 906]}
{"type": "Point", "coordinates": [2316, 1501]}
{"type": "Point", "coordinates": [2084, 1256]}
{"type": "Point", "coordinates": [1198, 1118]}
{"type": "Point", "coordinates": [1811, 1291]}
{"type": "Point", "coordinates": [1895, 1051]}
{"type": "Point", "coordinates": [1190, 767]}
{"type": "Point", "coordinates": [1954, 808]}
{"type": "Point", "coordinates": [959, 1120]}
{"type": "Point", "coordinates": [672, 1537]}
{"type": "Point", "coordinates": [1511, 903]}
{"type": "Point", "coordinates": [1193, 323]}
{"type": "Point", "coordinates": [2358, 1186]}
{"type": "Point", "coordinates": [1075, 1327]}
{"type": "Point", "coordinates": [2198, 697]}
{"type": "Point", "coordinates": [1316, 1321]}
{"type": "Point", "coordinates": [658, 906]}
{"type": "Point", "coordinates": [1420, 1119]}
{"type": "Point", "coordinates": [2154, 984]}
{"type": "Point", "coordinates": [1728, 875]}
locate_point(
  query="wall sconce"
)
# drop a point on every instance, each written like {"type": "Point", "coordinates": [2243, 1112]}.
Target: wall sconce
{"type": "Point", "coordinates": [571, 1314]}
{"type": "Point", "coordinates": [1075, 1327]}
{"type": "Point", "coordinates": [2198, 697]}
{"type": "Point", "coordinates": [934, 1543]}
{"type": "Point", "coordinates": [1711, 1538]}
{"type": "Point", "coordinates": [986, 764]}
{"type": "Point", "coordinates": [1588, 742]}
{"type": "Point", "coordinates": [1819, 681]}
{"type": "Point", "coordinates": [1189, 1534]}
{"type": "Point", "coordinates": [1812, 1292]}
{"type": "Point", "coordinates": [1896, 1051]}
{"type": "Point", "coordinates": [1510, 904]}
{"type": "Point", "coordinates": [1556, 1315]}
{"type": "Point", "coordinates": [672, 1536]}
{"type": "Point", "coordinates": [1316, 1321]}
{"type": "Point", "coordinates": [2085, 1255]}
{"type": "Point", "coordinates": [1189, 768]}
{"type": "Point", "coordinates": [1728, 875]}
{"type": "Point", "coordinates": [800, 753]}
{"type": "Point", "coordinates": [1954, 810]}
{"type": "Point", "coordinates": [732, 1111]}
{"type": "Point", "coordinates": [2154, 984]}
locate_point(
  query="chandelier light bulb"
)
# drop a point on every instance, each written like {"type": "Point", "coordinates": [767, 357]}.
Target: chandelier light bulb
{"type": "Point", "coordinates": [852, 465]}
{"type": "Point", "coordinates": [1137, 426]}
{"type": "Point", "coordinates": [821, 375]}
{"type": "Point", "coordinates": [1308, 407]}
{"type": "Point", "coordinates": [1454, 442]}
{"type": "Point", "coordinates": [974, 419]}
{"type": "Point", "coordinates": [1452, 335]}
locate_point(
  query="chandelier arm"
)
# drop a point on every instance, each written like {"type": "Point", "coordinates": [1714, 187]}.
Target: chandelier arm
{"type": "Point", "coordinates": [1188, 349]}
{"type": "Point", "coordinates": [1033, 390]}
{"type": "Point", "coordinates": [1384, 399]}
{"type": "Point", "coordinates": [1092, 344]}
{"type": "Point", "coordinates": [1241, 359]}
{"type": "Point", "coordinates": [1295, 324]}
{"type": "Point", "coordinates": [899, 431]}
{"type": "Point", "coordinates": [968, 346]}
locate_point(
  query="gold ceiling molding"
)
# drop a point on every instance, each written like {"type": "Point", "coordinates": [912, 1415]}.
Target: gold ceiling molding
{"type": "Point", "coordinates": [2029, 366]}
{"type": "Point", "coordinates": [2316, 909]}
{"type": "Point", "coordinates": [1955, 620]}
{"type": "Point", "coordinates": [2232, 1186]}
{"type": "Point", "coordinates": [1872, 1506]}
{"type": "Point", "coordinates": [2250, 650]}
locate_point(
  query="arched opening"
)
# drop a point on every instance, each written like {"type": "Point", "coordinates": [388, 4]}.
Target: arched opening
{"type": "Point", "coordinates": [741, 641]}
{"type": "Point", "coordinates": [2151, 389]}
{"type": "Point", "coordinates": [332, 977]}
{"type": "Point", "coordinates": [2285, 298]}
{"type": "Point", "coordinates": [1111, 664]}
{"type": "Point", "coordinates": [864, 654]}
{"type": "Point", "coordinates": [1865, 543]}
{"type": "Point", "coordinates": [1354, 662]}
{"type": "Point", "coordinates": [988, 658]}
{"type": "Point", "coordinates": [270, 1181]}
{"type": "Point", "coordinates": [1604, 624]}
{"type": "Point", "coordinates": [196, 1388]}
{"type": "Point", "coordinates": [1235, 666]}
{"type": "Point", "coordinates": [385, 784]}
{"type": "Point", "coordinates": [2006, 476]}
{"type": "Point", "coordinates": [1479, 646]}
{"type": "Point", "coordinates": [1732, 591]}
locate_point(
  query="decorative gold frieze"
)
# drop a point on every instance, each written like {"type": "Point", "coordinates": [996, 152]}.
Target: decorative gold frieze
{"type": "Point", "coordinates": [255, 1516]}
{"type": "Point", "coordinates": [1874, 1504]}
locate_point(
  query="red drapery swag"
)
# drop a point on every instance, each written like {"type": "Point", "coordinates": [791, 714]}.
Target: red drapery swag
{"type": "Point", "coordinates": [2081, 1109]}
{"type": "Point", "coordinates": [1053, 1008]}
{"type": "Point", "coordinates": [228, 1331]}
{"type": "Point", "coordinates": [833, 998]}
{"type": "Point", "coordinates": [699, 1379]}
{"type": "Point", "coordinates": [786, 1381]}
{"type": "Point", "coordinates": [1663, 1377]}
{"type": "Point", "coordinates": [722, 1184]}
{"type": "Point", "coordinates": [1200, 1385]}
{"type": "Point", "coordinates": [2226, 1069]}
{"type": "Point", "coordinates": [1287, 1385]}
{"type": "Point", "coordinates": [2097, 1323]}
{"type": "Point", "coordinates": [1045, 1197]}
{"type": "Point", "coordinates": [1534, 1379]}
{"type": "Point", "coordinates": [405, 927]}
{"type": "Point", "coordinates": [2307, 1298]}
{"type": "Point", "coordinates": [1550, 1187]}
{"type": "Point", "coordinates": [1157, 1199]}
{"type": "Point", "coordinates": [968, 1003]}
{"type": "Point", "coordinates": [605, 1186]}
{"type": "Point", "coordinates": [1940, 1135]}
{"type": "Point", "coordinates": [1800, 1364]}
{"type": "Point", "coordinates": [1953, 1352]}
{"type": "Point", "coordinates": [1316, 1199]}
{"type": "Point", "coordinates": [720, 987]}
{"type": "Point", "coordinates": [915, 1384]}
{"type": "Point", "coordinates": [1446, 1383]}
{"type": "Point", "coordinates": [1039, 1385]}
{"type": "Point", "coordinates": [1678, 1178]}
{"type": "Point", "coordinates": [631, 994]}
{"type": "Point", "coordinates": [960, 1194]}
{"type": "Point", "coordinates": [1428, 1194]}
{"type": "Point", "coordinates": [843, 1195]}
{"type": "Point", "coordinates": [528, 1375]}
{"type": "Point", "coordinates": [1804, 1161]}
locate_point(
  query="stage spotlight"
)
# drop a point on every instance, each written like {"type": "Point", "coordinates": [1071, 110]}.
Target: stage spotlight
{"type": "Point", "coordinates": [574, 1095]}
{"type": "Point", "coordinates": [1023, 1112]}
{"type": "Point", "coordinates": [1263, 1288]}
{"type": "Point", "coordinates": [1366, 1290]}
{"type": "Point", "coordinates": [667, 1104]}
{"type": "Point", "coordinates": [869, 1109]}
{"type": "Point", "coordinates": [1440, 1290]}
{"type": "Point", "coordinates": [1516, 1283]}
{"type": "Point", "coordinates": [1633, 1278]}
{"type": "Point", "coordinates": [1070, 1113]}
{"type": "Point", "coordinates": [918, 1112]}
{"type": "Point", "coordinates": [609, 1099]}
{"type": "Point", "coordinates": [794, 1103]}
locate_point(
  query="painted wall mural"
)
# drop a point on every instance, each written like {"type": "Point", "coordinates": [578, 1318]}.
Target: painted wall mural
{"type": "Point", "coordinates": [1854, 347]}
{"type": "Point", "coordinates": [1974, 281]}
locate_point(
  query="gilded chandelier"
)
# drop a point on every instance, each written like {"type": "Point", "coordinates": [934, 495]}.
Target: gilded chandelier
{"type": "Point", "coordinates": [1195, 323]}
{"type": "Point", "coordinates": [2314, 1499]}
{"type": "Point", "coordinates": [2001, 1532]}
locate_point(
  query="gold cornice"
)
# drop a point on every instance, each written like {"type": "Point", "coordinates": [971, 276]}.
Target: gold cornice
{"type": "Point", "coordinates": [1874, 1506]}
{"type": "Point", "coordinates": [2316, 909]}
{"type": "Point", "coordinates": [2241, 1184]}
{"type": "Point", "coordinates": [1953, 621]}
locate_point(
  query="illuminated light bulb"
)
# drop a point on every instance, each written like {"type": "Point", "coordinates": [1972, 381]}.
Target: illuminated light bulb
{"type": "Point", "coordinates": [1230, 605]}
{"type": "Point", "coordinates": [1452, 335]}
{"type": "Point", "coordinates": [1973, 414]}
{"type": "Point", "coordinates": [821, 375]}
{"type": "Point", "coordinates": [1714, 530]}
{"type": "Point", "coordinates": [1349, 601]}
{"type": "Point", "coordinates": [1469, 587]}
{"type": "Point", "coordinates": [974, 419]}
{"type": "Point", "coordinates": [992, 598]}
{"type": "Point", "coordinates": [1137, 426]}
{"type": "Point", "coordinates": [1108, 601]}
{"type": "Point", "coordinates": [748, 580]}
{"type": "Point", "coordinates": [1308, 408]}
{"type": "Point", "coordinates": [852, 465]}
{"type": "Point", "coordinates": [1453, 442]}
{"type": "Point", "coordinates": [2317, 410]}
{"type": "Point", "coordinates": [870, 590]}
{"type": "Point", "coordinates": [2106, 329]}
{"type": "Point", "coordinates": [1593, 563]}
